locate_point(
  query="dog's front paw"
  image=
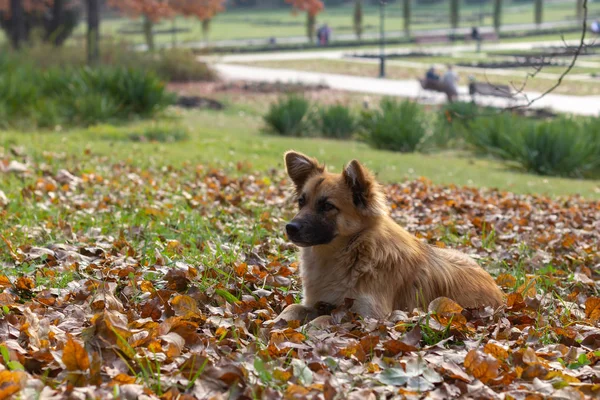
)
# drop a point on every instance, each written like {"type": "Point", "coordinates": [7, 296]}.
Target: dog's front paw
{"type": "Point", "coordinates": [321, 322]}
{"type": "Point", "coordinates": [297, 312]}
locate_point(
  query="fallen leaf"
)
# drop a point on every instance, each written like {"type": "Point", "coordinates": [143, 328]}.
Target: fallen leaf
{"type": "Point", "coordinates": [481, 366]}
{"type": "Point", "coordinates": [75, 356]}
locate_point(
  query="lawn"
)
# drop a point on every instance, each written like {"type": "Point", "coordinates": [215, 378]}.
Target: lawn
{"type": "Point", "coordinates": [224, 139]}
{"type": "Point", "coordinates": [251, 24]}
{"type": "Point", "coordinates": [136, 270]}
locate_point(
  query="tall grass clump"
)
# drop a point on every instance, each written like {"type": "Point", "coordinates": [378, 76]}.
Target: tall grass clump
{"type": "Point", "coordinates": [31, 97]}
{"type": "Point", "coordinates": [451, 122]}
{"type": "Point", "coordinates": [562, 147]}
{"type": "Point", "coordinates": [495, 135]}
{"type": "Point", "coordinates": [395, 126]}
{"type": "Point", "coordinates": [288, 116]}
{"type": "Point", "coordinates": [336, 121]}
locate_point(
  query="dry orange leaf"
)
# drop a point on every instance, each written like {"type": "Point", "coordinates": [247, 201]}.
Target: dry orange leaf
{"type": "Point", "coordinates": [528, 289]}
{"type": "Point", "coordinates": [506, 280]}
{"type": "Point", "coordinates": [147, 286]}
{"type": "Point", "coordinates": [496, 350]}
{"type": "Point", "coordinates": [123, 379]}
{"type": "Point", "coordinates": [296, 391]}
{"type": "Point", "coordinates": [515, 301]}
{"type": "Point", "coordinates": [185, 306]}
{"type": "Point", "coordinates": [569, 240]}
{"type": "Point", "coordinates": [11, 382]}
{"type": "Point", "coordinates": [444, 305]}
{"type": "Point", "coordinates": [481, 366]}
{"type": "Point", "coordinates": [25, 283]}
{"type": "Point", "coordinates": [282, 375]}
{"type": "Point", "coordinates": [241, 269]}
{"type": "Point", "coordinates": [4, 281]}
{"type": "Point", "coordinates": [592, 309]}
{"type": "Point", "coordinates": [74, 355]}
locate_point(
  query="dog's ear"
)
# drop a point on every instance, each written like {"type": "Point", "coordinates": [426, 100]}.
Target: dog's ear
{"type": "Point", "coordinates": [300, 167]}
{"type": "Point", "coordinates": [366, 193]}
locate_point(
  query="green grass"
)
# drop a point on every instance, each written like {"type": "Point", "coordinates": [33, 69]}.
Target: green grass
{"type": "Point", "coordinates": [235, 136]}
{"type": "Point", "coordinates": [246, 24]}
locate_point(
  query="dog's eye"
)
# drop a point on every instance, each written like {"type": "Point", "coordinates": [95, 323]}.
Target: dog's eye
{"type": "Point", "coordinates": [301, 202]}
{"type": "Point", "coordinates": [327, 207]}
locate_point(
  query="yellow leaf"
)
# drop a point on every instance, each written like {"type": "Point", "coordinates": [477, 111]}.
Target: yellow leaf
{"type": "Point", "coordinates": [282, 375]}
{"type": "Point", "coordinates": [11, 382]}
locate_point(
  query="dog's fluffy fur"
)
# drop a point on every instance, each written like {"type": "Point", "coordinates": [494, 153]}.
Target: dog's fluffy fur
{"type": "Point", "coordinates": [351, 248]}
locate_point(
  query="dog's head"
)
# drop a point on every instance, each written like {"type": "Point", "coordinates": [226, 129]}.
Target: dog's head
{"type": "Point", "coordinates": [331, 205]}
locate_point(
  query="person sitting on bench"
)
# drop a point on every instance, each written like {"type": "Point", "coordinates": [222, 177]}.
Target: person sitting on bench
{"type": "Point", "coordinates": [450, 80]}
{"type": "Point", "coordinates": [431, 75]}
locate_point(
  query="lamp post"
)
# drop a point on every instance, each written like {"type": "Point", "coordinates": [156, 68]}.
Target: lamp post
{"type": "Point", "coordinates": [382, 38]}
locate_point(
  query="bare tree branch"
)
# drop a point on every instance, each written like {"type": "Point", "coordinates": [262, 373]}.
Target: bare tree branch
{"type": "Point", "coordinates": [520, 89]}
{"type": "Point", "coordinates": [576, 54]}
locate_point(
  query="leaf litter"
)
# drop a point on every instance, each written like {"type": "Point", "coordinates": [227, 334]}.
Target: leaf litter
{"type": "Point", "coordinates": [123, 282]}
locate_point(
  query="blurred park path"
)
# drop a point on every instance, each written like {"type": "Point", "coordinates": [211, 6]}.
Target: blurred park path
{"type": "Point", "coordinates": [580, 105]}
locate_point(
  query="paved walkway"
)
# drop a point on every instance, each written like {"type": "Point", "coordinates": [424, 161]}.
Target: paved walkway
{"type": "Point", "coordinates": [580, 105]}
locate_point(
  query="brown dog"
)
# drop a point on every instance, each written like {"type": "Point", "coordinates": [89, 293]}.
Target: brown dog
{"type": "Point", "coordinates": [351, 248]}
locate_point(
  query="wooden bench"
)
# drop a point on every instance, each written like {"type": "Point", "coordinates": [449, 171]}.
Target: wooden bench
{"type": "Point", "coordinates": [432, 39]}
{"type": "Point", "coordinates": [488, 89]}
{"type": "Point", "coordinates": [490, 36]}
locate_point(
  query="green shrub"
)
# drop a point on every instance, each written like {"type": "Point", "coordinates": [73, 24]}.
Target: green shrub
{"type": "Point", "coordinates": [89, 109]}
{"type": "Point", "coordinates": [31, 97]}
{"type": "Point", "coordinates": [452, 121]}
{"type": "Point", "coordinates": [562, 147]}
{"type": "Point", "coordinates": [396, 126]}
{"type": "Point", "coordinates": [495, 135]}
{"type": "Point", "coordinates": [335, 121]}
{"type": "Point", "coordinates": [287, 116]}
{"type": "Point", "coordinates": [173, 65]}
{"type": "Point", "coordinates": [138, 92]}
{"type": "Point", "coordinates": [179, 65]}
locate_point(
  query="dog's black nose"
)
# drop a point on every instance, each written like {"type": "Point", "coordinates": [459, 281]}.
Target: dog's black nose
{"type": "Point", "coordinates": [292, 228]}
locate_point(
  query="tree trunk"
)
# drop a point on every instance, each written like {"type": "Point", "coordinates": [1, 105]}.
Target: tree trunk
{"type": "Point", "coordinates": [454, 13]}
{"type": "Point", "coordinates": [58, 21]}
{"type": "Point", "coordinates": [539, 11]}
{"type": "Point", "coordinates": [205, 28]}
{"type": "Point", "coordinates": [148, 25]}
{"type": "Point", "coordinates": [93, 33]}
{"type": "Point", "coordinates": [406, 15]}
{"type": "Point", "coordinates": [311, 22]}
{"type": "Point", "coordinates": [17, 15]}
{"type": "Point", "coordinates": [579, 6]}
{"type": "Point", "coordinates": [497, 15]}
{"type": "Point", "coordinates": [358, 19]}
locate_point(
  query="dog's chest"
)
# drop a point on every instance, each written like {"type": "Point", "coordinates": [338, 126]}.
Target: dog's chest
{"type": "Point", "coordinates": [325, 279]}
